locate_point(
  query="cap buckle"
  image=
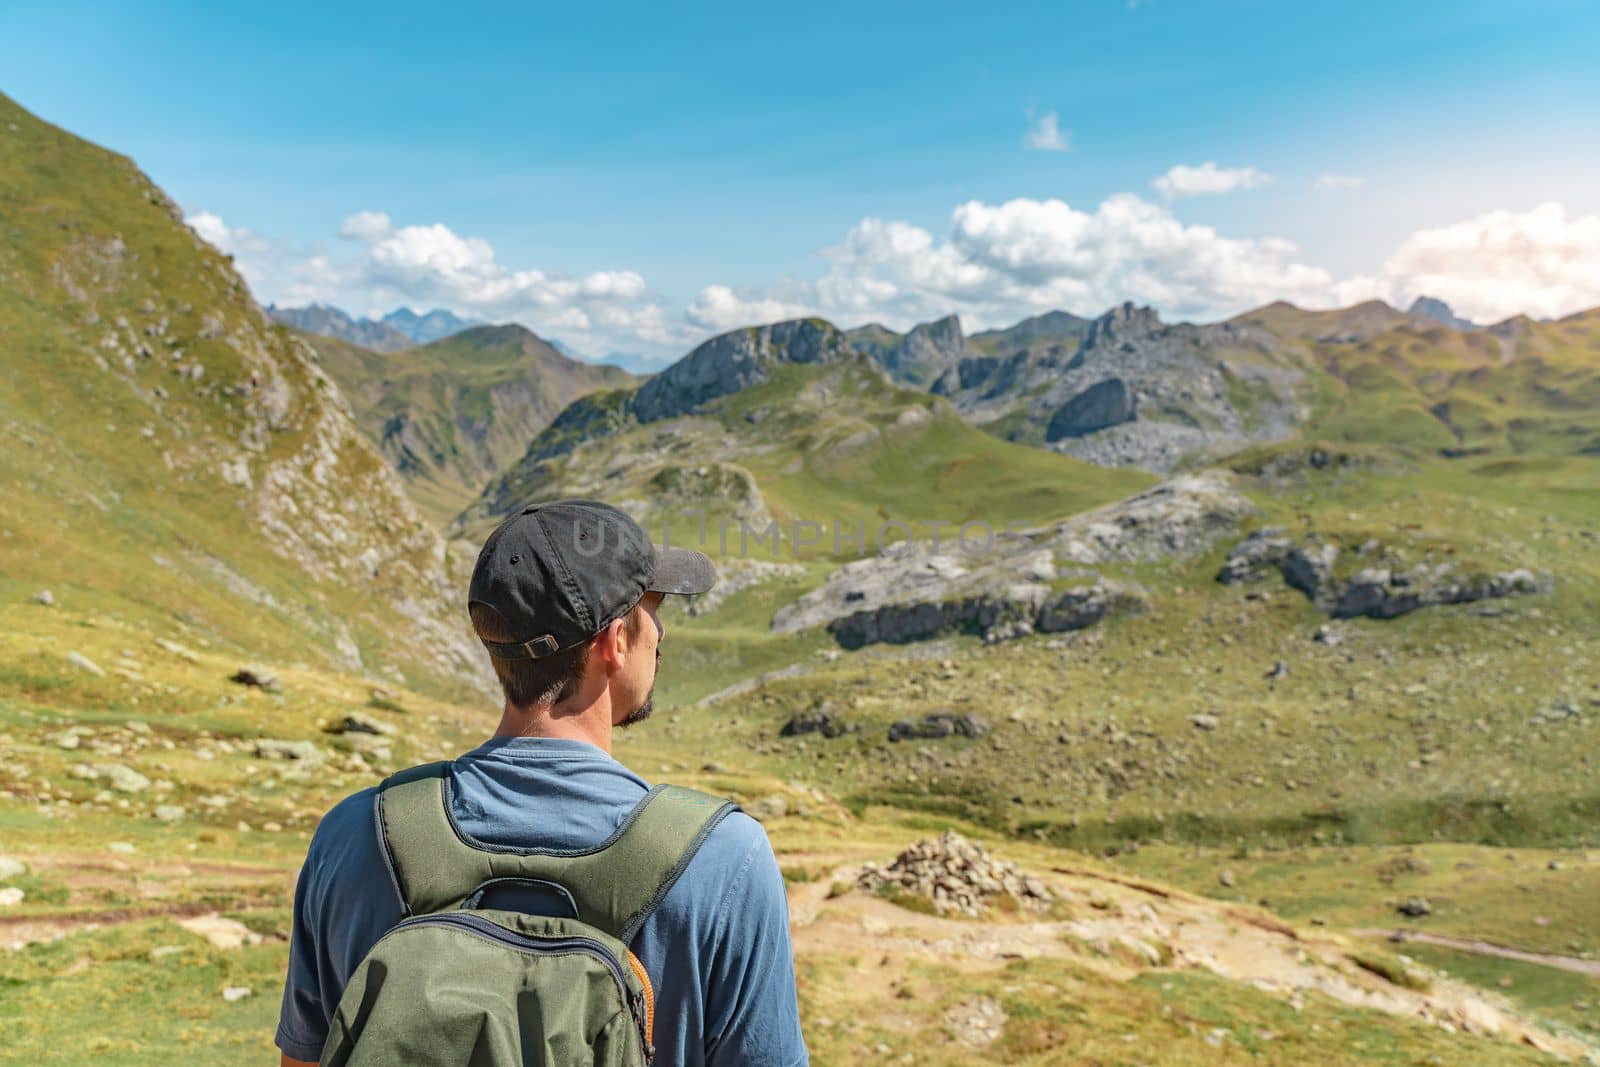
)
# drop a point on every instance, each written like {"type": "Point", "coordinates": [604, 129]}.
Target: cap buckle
{"type": "Point", "coordinates": [539, 647]}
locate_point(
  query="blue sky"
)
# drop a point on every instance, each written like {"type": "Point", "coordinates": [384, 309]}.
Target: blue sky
{"type": "Point", "coordinates": [635, 177]}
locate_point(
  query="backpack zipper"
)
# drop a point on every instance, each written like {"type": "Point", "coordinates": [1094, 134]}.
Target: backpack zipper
{"type": "Point", "coordinates": [532, 944]}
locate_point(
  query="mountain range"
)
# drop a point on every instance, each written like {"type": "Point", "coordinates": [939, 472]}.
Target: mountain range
{"type": "Point", "coordinates": [1296, 612]}
{"type": "Point", "coordinates": [400, 328]}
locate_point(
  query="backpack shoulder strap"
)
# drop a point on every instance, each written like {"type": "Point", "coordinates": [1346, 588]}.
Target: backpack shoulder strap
{"type": "Point", "coordinates": [615, 885]}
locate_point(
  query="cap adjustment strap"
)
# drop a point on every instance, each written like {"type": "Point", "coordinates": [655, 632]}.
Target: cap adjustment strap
{"type": "Point", "coordinates": [536, 648]}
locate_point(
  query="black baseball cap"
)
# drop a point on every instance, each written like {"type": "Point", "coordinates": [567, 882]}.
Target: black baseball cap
{"type": "Point", "coordinates": [560, 572]}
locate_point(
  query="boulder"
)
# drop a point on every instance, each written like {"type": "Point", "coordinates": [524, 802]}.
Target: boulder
{"type": "Point", "coordinates": [768, 808]}
{"type": "Point", "coordinates": [300, 751]}
{"type": "Point", "coordinates": [1106, 403]}
{"type": "Point", "coordinates": [1309, 567]}
{"type": "Point", "coordinates": [122, 778]}
{"type": "Point", "coordinates": [259, 677]}
{"type": "Point", "coordinates": [817, 721]}
{"type": "Point", "coordinates": [356, 722]}
{"type": "Point", "coordinates": [938, 724]}
{"type": "Point", "coordinates": [1252, 559]}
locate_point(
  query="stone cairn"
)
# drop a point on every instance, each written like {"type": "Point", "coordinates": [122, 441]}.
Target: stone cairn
{"type": "Point", "coordinates": [956, 874]}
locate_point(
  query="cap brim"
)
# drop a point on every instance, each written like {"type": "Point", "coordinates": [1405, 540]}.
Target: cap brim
{"type": "Point", "coordinates": [683, 571]}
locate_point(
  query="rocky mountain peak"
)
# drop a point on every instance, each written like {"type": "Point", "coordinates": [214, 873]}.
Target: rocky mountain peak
{"type": "Point", "coordinates": [1125, 322]}
{"type": "Point", "coordinates": [942, 334]}
{"type": "Point", "coordinates": [1435, 310]}
{"type": "Point", "coordinates": [737, 360]}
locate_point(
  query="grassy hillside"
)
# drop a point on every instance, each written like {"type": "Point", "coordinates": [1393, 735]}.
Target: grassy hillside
{"type": "Point", "coordinates": [836, 445]}
{"type": "Point", "coordinates": [172, 458]}
{"type": "Point", "coordinates": [453, 414]}
{"type": "Point", "coordinates": [1519, 387]}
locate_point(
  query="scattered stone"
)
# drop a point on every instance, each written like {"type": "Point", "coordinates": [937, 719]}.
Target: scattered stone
{"type": "Point", "coordinates": [977, 1022]}
{"type": "Point", "coordinates": [1204, 722]}
{"type": "Point", "coordinates": [169, 812]}
{"type": "Point", "coordinates": [84, 663]}
{"type": "Point", "coordinates": [1415, 907]}
{"type": "Point", "coordinates": [956, 874]}
{"type": "Point", "coordinates": [1327, 635]}
{"type": "Point", "coordinates": [356, 722]}
{"type": "Point", "coordinates": [122, 778]}
{"type": "Point", "coordinates": [768, 808]}
{"type": "Point", "coordinates": [45, 598]}
{"type": "Point", "coordinates": [236, 992]}
{"type": "Point", "coordinates": [259, 677]}
{"type": "Point", "coordinates": [11, 868]}
{"type": "Point", "coordinates": [1279, 670]}
{"type": "Point", "coordinates": [300, 751]}
{"type": "Point", "coordinates": [937, 724]}
{"type": "Point", "coordinates": [122, 848]}
{"type": "Point", "coordinates": [225, 934]}
{"type": "Point", "coordinates": [1227, 879]}
{"type": "Point", "coordinates": [817, 721]}
{"type": "Point", "coordinates": [11, 896]}
{"type": "Point", "coordinates": [68, 740]}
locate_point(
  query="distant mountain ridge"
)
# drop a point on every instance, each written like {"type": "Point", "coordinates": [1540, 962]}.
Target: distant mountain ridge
{"type": "Point", "coordinates": [400, 328]}
{"type": "Point", "coordinates": [782, 423]}
{"type": "Point", "coordinates": [452, 414]}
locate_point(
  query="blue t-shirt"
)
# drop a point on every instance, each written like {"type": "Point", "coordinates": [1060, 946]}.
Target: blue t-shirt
{"type": "Point", "coordinates": [716, 949]}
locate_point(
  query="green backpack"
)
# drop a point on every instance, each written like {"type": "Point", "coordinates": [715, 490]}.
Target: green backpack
{"type": "Point", "coordinates": [454, 983]}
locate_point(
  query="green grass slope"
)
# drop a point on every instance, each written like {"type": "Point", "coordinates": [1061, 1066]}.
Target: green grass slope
{"type": "Point", "coordinates": [173, 458]}
{"type": "Point", "coordinates": [1384, 377]}
{"type": "Point", "coordinates": [837, 445]}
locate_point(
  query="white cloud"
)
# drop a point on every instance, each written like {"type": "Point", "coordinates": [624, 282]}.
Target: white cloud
{"type": "Point", "coordinates": [1328, 181]}
{"type": "Point", "coordinates": [993, 264]}
{"type": "Point", "coordinates": [380, 266]}
{"type": "Point", "coordinates": [718, 309]}
{"type": "Point", "coordinates": [366, 226]}
{"type": "Point", "coordinates": [1540, 263]}
{"type": "Point", "coordinates": [1207, 179]}
{"type": "Point", "coordinates": [1002, 262]}
{"type": "Point", "coordinates": [1046, 135]}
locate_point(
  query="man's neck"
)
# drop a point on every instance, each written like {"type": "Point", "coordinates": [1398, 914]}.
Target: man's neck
{"type": "Point", "coordinates": [591, 725]}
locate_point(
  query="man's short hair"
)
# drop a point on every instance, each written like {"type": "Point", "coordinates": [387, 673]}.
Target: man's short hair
{"type": "Point", "coordinates": [547, 680]}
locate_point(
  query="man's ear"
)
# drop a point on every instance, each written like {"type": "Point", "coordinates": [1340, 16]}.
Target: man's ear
{"type": "Point", "coordinates": [610, 643]}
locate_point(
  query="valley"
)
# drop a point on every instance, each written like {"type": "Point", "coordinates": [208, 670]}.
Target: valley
{"type": "Point", "coordinates": [1278, 669]}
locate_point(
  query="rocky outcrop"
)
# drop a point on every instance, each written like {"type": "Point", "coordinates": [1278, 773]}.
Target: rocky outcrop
{"type": "Point", "coordinates": [1394, 586]}
{"type": "Point", "coordinates": [936, 725]}
{"type": "Point", "coordinates": [1176, 519]}
{"type": "Point", "coordinates": [1011, 585]}
{"type": "Point", "coordinates": [736, 361]}
{"type": "Point", "coordinates": [1015, 611]}
{"type": "Point", "coordinates": [1380, 593]}
{"type": "Point", "coordinates": [1105, 403]}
